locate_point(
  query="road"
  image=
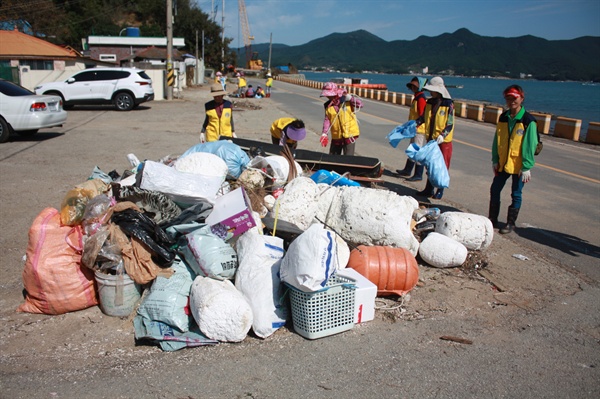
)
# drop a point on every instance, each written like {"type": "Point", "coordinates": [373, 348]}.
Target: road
{"type": "Point", "coordinates": [560, 215]}
{"type": "Point", "coordinates": [534, 327]}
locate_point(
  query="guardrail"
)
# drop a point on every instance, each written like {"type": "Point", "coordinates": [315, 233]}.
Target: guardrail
{"type": "Point", "coordinates": [564, 127]}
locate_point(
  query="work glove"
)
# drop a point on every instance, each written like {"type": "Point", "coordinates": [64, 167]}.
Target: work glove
{"type": "Point", "coordinates": [495, 169]}
{"type": "Point", "coordinates": [348, 97]}
{"type": "Point", "coordinates": [440, 139]}
{"type": "Point", "coordinates": [324, 140]}
{"type": "Point", "coordinates": [525, 176]}
{"type": "Point", "coordinates": [234, 136]}
{"type": "Point", "coordinates": [202, 138]}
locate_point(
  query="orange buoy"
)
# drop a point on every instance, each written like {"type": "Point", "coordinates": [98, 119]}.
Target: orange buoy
{"type": "Point", "coordinates": [394, 270]}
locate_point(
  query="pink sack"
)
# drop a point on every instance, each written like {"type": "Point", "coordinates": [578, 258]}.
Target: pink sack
{"type": "Point", "coordinates": [53, 276]}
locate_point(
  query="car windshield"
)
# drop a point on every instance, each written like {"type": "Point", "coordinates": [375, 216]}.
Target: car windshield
{"type": "Point", "coordinates": [13, 90]}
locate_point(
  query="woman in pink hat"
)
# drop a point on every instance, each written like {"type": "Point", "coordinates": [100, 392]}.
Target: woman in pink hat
{"type": "Point", "coordinates": [340, 120]}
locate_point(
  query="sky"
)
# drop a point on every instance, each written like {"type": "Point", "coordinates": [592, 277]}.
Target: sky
{"type": "Point", "coordinates": [295, 22]}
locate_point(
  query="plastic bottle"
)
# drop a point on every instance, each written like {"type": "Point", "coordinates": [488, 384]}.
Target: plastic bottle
{"type": "Point", "coordinates": [429, 213]}
{"type": "Point", "coordinates": [133, 160]}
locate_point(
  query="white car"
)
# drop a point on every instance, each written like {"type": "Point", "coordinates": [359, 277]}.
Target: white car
{"type": "Point", "coordinates": [126, 88]}
{"type": "Point", "coordinates": [24, 112]}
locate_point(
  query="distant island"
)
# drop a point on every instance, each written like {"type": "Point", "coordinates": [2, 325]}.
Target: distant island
{"type": "Point", "coordinates": [459, 53]}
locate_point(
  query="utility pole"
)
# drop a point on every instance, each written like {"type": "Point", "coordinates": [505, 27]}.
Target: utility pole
{"type": "Point", "coordinates": [170, 72]}
{"type": "Point", "coordinates": [270, 45]}
{"type": "Point", "coordinates": [223, 36]}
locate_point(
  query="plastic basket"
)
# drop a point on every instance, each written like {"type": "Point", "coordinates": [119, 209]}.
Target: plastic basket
{"type": "Point", "coordinates": [326, 312]}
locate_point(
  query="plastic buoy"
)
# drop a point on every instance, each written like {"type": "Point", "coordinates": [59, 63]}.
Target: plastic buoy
{"type": "Point", "coordinates": [394, 270]}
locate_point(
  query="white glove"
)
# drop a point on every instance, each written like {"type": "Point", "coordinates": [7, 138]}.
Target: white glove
{"type": "Point", "coordinates": [234, 136]}
{"type": "Point", "coordinates": [348, 97]}
{"type": "Point", "coordinates": [202, 138]}
{"type": "Point", "coordinates": [525, 176]}
{"type": "Point", "coordinates": [440, 139]}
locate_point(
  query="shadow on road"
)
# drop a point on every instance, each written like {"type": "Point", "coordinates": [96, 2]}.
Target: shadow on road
{"type": "Point", "coordinates": [570, 245]}
{"type": "Point", "coordinates": [38, 137]}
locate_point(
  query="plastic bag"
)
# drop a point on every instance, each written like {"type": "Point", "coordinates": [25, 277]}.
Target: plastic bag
{"type": "Point", "coordinates": [235, 158]}
{"type": "Point", "coordinates": [96, 213]}
{"type": "Point", "coordinates": [74, 202]}
{"type": "Point", "coordinates": [399, 133]}
{"type": "Point", "coordinates": [208, 255]}
{"type": "Point", "coordinates": [431, 156]}
{"type": "Point", "coordinates": [144, 229]}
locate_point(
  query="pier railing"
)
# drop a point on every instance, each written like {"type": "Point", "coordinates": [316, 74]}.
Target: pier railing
{"type": "Point", "coordinates": [563, 127]}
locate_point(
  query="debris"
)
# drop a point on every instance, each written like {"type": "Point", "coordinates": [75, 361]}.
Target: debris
{"type": "Point", "coordinates": [456, 339]}
{"type": "Point", "coordinates": [520, 257]}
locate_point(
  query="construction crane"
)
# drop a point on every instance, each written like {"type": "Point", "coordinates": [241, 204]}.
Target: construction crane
{"type": "Point", "coordinates": [252, 61]}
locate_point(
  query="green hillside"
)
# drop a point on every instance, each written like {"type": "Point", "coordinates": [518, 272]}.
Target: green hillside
{"type": "Point", "coordinates": [459, 53]}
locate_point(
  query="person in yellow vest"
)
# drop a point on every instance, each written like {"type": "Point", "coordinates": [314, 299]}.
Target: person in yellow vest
{"type": "Point", "coordinates": [513, 152]}
{"type": "Point", "coordinates": [288, 131]}
{"type": "Point", "coordinates": [241, 84]}
{"type": "Point", "coordinates": [417, 108]}
{"type": "Point", "coordinates": [268, 84]}
{"type": "Point", "coordinates": [219, 116]}
{"type": "Point", "coordinates": [340, 120]}
{"type": "Point", "coordinates": [438, 119]}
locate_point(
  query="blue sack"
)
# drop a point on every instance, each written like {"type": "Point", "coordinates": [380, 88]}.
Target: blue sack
{"type": "Point", "coordinates": [431, 157]}
{"type": "Point", "coordinates": [399, 133]}
{"type": "Point", "coordinates": [235, 158]}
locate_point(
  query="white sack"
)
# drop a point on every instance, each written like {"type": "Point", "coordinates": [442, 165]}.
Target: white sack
{"type": "Point", "coordinates": [276, 166]}
{"type": "Point", "coordinates": [258, 279]}
{"type": "Point", "coordinates": [310, 260]}
{"type": "Point", "coordinates": [441, 251]}
{"type": "Point", "coordinates": [203, 163]}
{"type": "Point", "coordinates": [299, 203]}
{"type": "Point", "coordinates": [221, 311]}
{"type": "Point", "coordinates": [208, 255]}
{"type": "Point", "coordinates": [475, 232]}
{"type": "Point", "coordinates": [181, 187]}
{"type": "Point", "coordinates": [369, 216]}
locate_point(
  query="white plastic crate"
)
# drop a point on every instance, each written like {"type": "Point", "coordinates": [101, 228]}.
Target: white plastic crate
{"type": "Point", "coordinates": [326, 312]}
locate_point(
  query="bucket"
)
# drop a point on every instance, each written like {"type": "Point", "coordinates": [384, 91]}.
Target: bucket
{"type": "Point", "coordinates": [117, 294]}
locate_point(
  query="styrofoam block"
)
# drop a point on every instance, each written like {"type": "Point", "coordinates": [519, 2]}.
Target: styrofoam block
{"type": "Point", "coordinates": [299, 202]}
{"type": "Point", "coordinates": [364, 295]}
{"type": "Point", "coordinates": [369, 216]}
{"type": "Point", "coordinates": [475, 232]}
{"type": "Point", "coordinates": [441, 251]}
{"type": "Point", "coordinates": [221, 311]}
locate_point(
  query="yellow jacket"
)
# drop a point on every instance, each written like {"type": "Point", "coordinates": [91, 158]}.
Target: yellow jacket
{"type": "Point", "coordinates": [278, 126]}
{"type": "Point", "coordinates": [443, 122]}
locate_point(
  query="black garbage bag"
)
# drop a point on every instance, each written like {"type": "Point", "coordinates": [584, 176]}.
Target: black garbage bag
{"type": "Point", "coordinates": [195, 213]}
{"type": "Point", "coordinates": [136, 224]}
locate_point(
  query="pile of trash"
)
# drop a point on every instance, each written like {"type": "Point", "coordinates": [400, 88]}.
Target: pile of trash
{"type": "Point", "coordinates": [204, 247]}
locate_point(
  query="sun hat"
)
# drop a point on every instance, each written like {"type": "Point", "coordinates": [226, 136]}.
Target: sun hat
{"type": "Point", "coordinates": [437, 85]}
{"type": "Point", "coordinates": [329, 89]}
{"type": "Point", "coordinates": [268, 75]}
{"type": "Point", "coordinates": [513, 92]}
{"type": "Point", "coordinates": [417, 82]}
{"type": "Point", "coordinates": [219, 74]}
{"type": "Point", "coordinates": [295, 134]}
{"type": "Point", "coordinates": [237, 75]}
{"type": "Point", "coordinates": [217, 90]}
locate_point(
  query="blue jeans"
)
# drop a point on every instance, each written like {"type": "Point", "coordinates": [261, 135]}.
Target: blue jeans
{"type": "Point", "coordinates": [516, 188]}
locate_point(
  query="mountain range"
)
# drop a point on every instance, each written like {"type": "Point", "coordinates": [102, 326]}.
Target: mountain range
{"type": "Point", "coordinates": [459, 53]}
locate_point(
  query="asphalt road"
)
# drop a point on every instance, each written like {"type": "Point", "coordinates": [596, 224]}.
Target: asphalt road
{"type": "Point", "coordinates": [560, 215]}
{"type": "Point", "coordinates": [535, 329]}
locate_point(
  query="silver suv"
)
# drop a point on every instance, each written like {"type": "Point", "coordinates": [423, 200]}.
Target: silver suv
{"type": "Point", "coordinates": [126, 88]}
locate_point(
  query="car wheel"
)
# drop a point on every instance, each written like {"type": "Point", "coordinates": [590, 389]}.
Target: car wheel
{"type": "Point", "coordinates": [4, 131]}
{"type": "Point", "coordinates": [124, 102]}
{"type": "Point", "coordinates": [27, 133]}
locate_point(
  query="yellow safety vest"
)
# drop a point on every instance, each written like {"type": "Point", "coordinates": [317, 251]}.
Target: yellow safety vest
{"type": "Point", "coordinates": [269, 82]}
{"type": "Point", "coordinates": [413, 113]}
{"type": "Point", "coordinates": [510, 157]}
{"type": "Point", "coordinates": [278, 126]}
{"type": "Point", "coordinates": [345, 125]}
{"type": "Point", "coordinates": [441, 120]}
{"type": "Point", "coordinates": [219, 126]}
{"type": "Point", "coordinates": [241, 82]}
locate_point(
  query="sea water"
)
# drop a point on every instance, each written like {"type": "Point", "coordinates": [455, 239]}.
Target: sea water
{"type": "Point", "coordinates": [568, 99]}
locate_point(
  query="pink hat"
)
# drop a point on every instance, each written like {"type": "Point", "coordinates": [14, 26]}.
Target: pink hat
{"type": "Point", "coordinates": [330, 89]}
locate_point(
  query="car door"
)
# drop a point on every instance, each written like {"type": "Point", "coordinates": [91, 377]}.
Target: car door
{"type": "Point", "coordinates": [79, 86]}
{"type": "Point", "coordinates": [105, 83]}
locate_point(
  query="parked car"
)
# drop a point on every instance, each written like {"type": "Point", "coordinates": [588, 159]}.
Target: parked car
{"type": "Point", "coordinates": [24, 112]}
{"type": "Point", "coordinates": [126, 88]}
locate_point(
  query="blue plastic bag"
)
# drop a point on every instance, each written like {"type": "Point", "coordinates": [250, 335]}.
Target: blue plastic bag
{"type": "Point", "coordinates": [431, 157]}
{"type": "Point", "coordinates": [399, 133]}
{"type": "Point", "coordinates": [235, 158]}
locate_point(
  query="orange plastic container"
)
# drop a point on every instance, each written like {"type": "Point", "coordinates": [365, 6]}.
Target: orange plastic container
{"type": "Point", "coordinates": [394, 270]}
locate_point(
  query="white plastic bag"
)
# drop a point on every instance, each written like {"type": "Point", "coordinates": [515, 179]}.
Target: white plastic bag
{"type": "Point", "coordinates": [208, 255]}
{"type": "Point", "coordinates": [258, 279]}
{"type": "Point", "coordinates": [310, 260]}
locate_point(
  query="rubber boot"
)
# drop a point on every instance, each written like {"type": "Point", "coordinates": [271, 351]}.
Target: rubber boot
{"type": "Point", "coordinates": [418, 176]}
{"type": "Point", "coordinates": [407, 168]}
{"type": "Point", "coordinates": [511, 219]}
{"type": "Point", "coordinates": [428, 191]}
{"type": "Point", "coordinates": [493, 213]}
{"type": "Point", "coordinates": [439, 193]}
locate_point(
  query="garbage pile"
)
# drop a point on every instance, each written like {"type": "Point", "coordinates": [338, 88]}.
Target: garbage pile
{"type": "Point", "coordinates": [204, 247]}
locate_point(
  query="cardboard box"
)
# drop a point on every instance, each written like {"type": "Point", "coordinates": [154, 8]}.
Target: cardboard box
{"type": "Point", "coordinates": [231, 215]}
{"type": "Point", "coordinates": [365, 294]}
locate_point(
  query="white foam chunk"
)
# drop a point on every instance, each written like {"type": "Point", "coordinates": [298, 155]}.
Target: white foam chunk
{"type": "Point", "coordinates": [441, 251]}
{"type": "Point", "coordinates": [474, 231]}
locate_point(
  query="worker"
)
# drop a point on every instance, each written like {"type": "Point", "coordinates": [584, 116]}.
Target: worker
{"type": "Point", "coordinates": [250, 93]}
{"type": "Point", "coordinates": [269, 84]}
{"type": "Point", "coordinates": [219, 78]}
{"type": "Point", "coordinates": [241, 84]}
{"type": "Point", "coordinates": [340, 118]}
{"type": "Point", "coordinates": [219, 116]}
{"type": "Point", "coordinates": [287, 131]}
{"type": "Point", "coordinates": [260, 92]}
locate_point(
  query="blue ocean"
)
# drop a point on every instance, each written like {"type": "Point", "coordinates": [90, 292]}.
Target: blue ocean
{"type": "Point", "coordinates": [568, 99]}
